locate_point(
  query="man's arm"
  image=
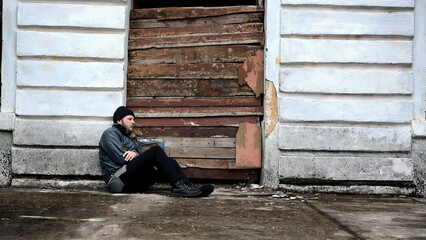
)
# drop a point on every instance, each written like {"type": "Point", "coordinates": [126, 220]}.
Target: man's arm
{"type": "Point", "coordinates": [110, 143]}
{"type": "Point", "coordinates": [138, 147]}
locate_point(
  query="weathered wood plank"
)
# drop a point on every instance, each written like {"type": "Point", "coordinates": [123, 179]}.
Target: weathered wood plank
{"type": "Point", "coordinates": [186, 88]}
{"type": "Point", "coordinates": [193, 101]}
{"type": "Point", "coordinates": [190, 12]}
{"type": "Point", "coordinates": [207, 21]}
{"type": "Point", "coordinates": [250, 175]}
{"type": "Point", "coordinates": [199, 142]}
{"type": "Point", "coordinates": [203, 40]}
{"type": "Point", "coordinates": [200, 30]}
{"type": "Point", "coordinates": [71, 15]}
{"type": "Point", "coordinates": [334, 138]}
{"type": "Point", "coordinates": [196, 111]}
{"type": "Point", "coordinates": [346, 23]}
{"type": "Point", "coordinates": [350, 110]}
{"type": "Point", "coordinates": [204, 163]}
{"type": "Point", "coordinates": [186, 55]}
{"type": "Point", "coordinates": [195, 122]}
{"type": "Point", "coordinates": [186, 132]}
{"type": "Point", "coordinates": [217, 153]}
{"type": "Point", "coordinates": [345, 51]}
{"type": "Point", "coordinates": [342, 80]}
{"type": "Point", "coordinates": [184, 71]}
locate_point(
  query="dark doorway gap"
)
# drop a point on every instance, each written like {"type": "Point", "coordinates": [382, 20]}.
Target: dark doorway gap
{"type": "Point", "coordinates": [191, 3]}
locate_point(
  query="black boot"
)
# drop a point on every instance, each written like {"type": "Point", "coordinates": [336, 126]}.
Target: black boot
{"type": "Point", "coordinates": [180, 189]}
{"type": "Point", "coordinates": [206, 190]}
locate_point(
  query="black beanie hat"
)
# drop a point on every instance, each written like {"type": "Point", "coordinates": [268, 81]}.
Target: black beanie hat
{"type": "Point", "coordinates": [122, 112]}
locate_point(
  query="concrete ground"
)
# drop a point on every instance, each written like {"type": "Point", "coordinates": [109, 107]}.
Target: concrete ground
{"type": "Point", "coordinates": [231, 212]}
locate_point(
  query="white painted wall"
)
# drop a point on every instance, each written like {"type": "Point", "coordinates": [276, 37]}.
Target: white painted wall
{"type": "Point", "coordinates": [419, 73]}
{"type": "Point", "coordinates": [270, 163]}
{"type": "Point", "coordinates": [346, 79]}
{"type": "Point", "coordinates": [66, 69]}
{"type": "Point", "coordinates": [8, 65]}
{"type": "Point", "coordinates": [419, 64]}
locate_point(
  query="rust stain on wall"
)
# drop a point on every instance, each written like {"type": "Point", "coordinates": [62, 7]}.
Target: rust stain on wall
{"type": "Point", "coordinates": [248, 146]}
{"type": "Point", "coordinates": [251, 72]}
{"type": "Point", "coordinates": [271, 108]}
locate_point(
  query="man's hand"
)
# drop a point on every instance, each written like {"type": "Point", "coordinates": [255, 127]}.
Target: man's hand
{"type": "Point", "coordinates": [129, 155]}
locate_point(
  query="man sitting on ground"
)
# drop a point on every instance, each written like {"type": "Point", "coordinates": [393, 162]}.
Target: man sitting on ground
{"type": "Point", "coordinates": [127, 168]}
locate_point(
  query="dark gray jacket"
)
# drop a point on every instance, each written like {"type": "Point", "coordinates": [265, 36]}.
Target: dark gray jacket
{"type": "Point", "coordinates": [112, 145]}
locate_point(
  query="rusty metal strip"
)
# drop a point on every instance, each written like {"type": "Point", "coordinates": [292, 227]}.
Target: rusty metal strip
{"type": "Point", "coordinates": [252, 71]}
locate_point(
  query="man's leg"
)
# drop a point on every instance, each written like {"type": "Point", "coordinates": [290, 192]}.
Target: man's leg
{"type": "Point", "coordinates": [153, 157]}
{"type": "Point", "coordinates": [139, 183]}
{"type": "Point", "coordinates": [156, 157]}
{"type": "Point", "coordinates": [178, 170]}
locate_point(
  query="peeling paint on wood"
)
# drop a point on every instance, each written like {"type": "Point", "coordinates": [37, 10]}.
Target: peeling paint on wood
{"type": "Point", "coordinates": [248, 146]}
{"type": "Point", "coordinates": [251, 72]}
{"type": "Point", "coordinates": [271, 108]}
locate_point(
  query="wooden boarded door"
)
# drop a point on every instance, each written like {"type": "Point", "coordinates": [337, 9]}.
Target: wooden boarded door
{"type": "Point", "coordinates": [195, 80]}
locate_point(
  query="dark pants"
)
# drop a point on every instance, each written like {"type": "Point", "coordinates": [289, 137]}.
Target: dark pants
{"type": "Point", "coordinates": [141, 173]}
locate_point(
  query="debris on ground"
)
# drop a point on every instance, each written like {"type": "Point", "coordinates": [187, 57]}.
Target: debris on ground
{"type": "Point", "coordinates": [255, 186]}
